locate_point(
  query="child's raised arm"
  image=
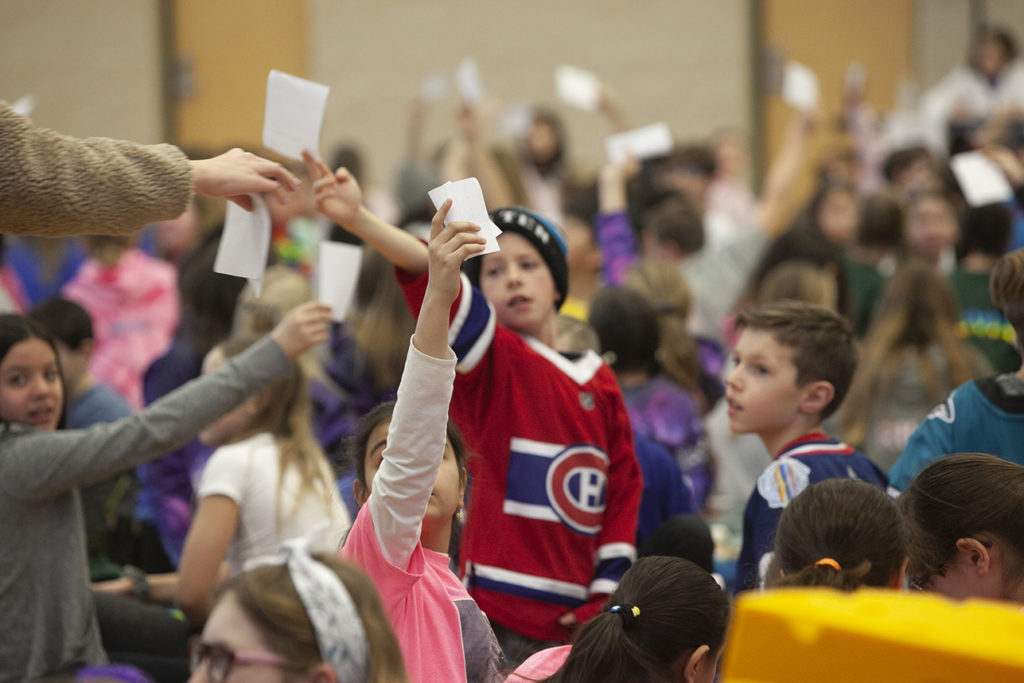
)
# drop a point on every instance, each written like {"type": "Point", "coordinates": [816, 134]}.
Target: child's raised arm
{"type": "Point", "coordinates": [339, 198]}
{"type": "Point", "coordinates": [449, 246]}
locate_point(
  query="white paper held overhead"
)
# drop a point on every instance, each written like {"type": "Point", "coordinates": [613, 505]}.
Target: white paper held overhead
{"type": "Point", "coordinates": [468, 205]}
{"type": "Point", "coordinates": [980, 178]}
{"type": "Point", "coordinates": [337, 272]}
{"type": "Point", "coordinates": [467, 79]}
{"type": "Point", "coordinates": [294, 114]}
{"type": "Point", "coordinates": [800, 88]}
{"type": "Point", "coordinates": [578, 87]}
{"type": "Point", "coordinates": [245, 242]}
{"type": "Point", "coordinates": [648, 142]}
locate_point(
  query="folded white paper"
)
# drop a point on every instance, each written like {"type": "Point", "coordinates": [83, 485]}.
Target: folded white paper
{"type": "Point", "coordinates": [467, 79]}
{"type": "Point", "coordinates": [468, 205]}
{"type": "Point", "coordinates": [245, 243]}
{"type": "Point", "coordinates": [578, 87]}
{"type": "Point", "coordinates": [294, 114]}
{"type": "Point", "coordinates": [800, 88]}
{"type": "Point", "coordinates": [516, 120]}
{"type": "Point", "coordinates": [24, 105]}
{"type": "Point", "coordinates": [337, 272]}
{"type": "Point", "coordinates": [980, 178]}
{"type": "Point", "coordinates": [648, 142]}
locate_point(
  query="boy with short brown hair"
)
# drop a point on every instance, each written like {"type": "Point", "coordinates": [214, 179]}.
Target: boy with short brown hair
{"type": "Point", "coordinates": [792, 365]}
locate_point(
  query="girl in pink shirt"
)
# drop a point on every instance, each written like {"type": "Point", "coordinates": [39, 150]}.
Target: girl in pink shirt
{"type": "Point", "coordinates": [410, 483]}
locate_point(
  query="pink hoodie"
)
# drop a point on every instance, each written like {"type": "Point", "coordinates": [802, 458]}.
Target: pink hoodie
{"type": "Point", "coordinates": [134, 308]}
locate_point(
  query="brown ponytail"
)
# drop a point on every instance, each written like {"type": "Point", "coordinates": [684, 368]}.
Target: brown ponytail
{"type": "Point", "coordinates": [848, 521]}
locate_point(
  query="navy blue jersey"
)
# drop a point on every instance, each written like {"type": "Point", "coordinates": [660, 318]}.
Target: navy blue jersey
{"type": "Point", "coordinates": [810, 459]}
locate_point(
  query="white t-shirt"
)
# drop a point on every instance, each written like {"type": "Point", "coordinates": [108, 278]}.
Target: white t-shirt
{"type": "Point", "coordinates": [247, 473]}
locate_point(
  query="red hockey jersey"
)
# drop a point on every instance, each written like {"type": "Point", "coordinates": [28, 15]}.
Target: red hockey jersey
{"type": "Point", "coordinates": [555, 484]}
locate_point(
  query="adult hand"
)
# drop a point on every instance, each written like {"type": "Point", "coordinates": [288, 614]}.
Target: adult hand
{"type": "Point", "coordinates": [236, 174]}
{"type": "Point", "coordinates": [302, 328]}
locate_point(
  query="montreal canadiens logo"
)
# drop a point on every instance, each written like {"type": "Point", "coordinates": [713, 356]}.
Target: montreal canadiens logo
{"type": "Point", "coordinates": [576, 486]}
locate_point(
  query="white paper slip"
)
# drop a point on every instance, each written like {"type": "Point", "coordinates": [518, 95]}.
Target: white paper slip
{"type": "Point", "coordinates": [980, 179]}
{"type": "Point", "coordinates": [578, 87]}
{"type": "Point", "coordinates": [434, 88]}
{"type": "Point", "coordinates": [467, 79]}
{"type": "Point", "coordinates": [337, 272]}
{"type": "Point", "coordinates": [245, 242]}
{"type": "Point", "coordinates": [648, 142]}
{"type": "Point", "coordinates": [800, 88]}
{"type": "Point", "coordinates": [468, 205]}
{"type": "Point", "coordinates": [516, 120]}
{"type": "Point", "coordinates": [24, 105]}
{"type": "Point", "coordinates": [294, 114]}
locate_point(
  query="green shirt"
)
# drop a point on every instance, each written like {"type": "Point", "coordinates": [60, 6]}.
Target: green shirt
{"type": "Point", "coordinates": [982, 323]}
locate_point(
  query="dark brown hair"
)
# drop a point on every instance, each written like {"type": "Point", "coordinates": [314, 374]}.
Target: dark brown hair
{"type": "Point", "coordinates": [269, 599]}
{"type": "Point", "coordinates": [681, 608]}
{"type": "Point", "coordinates": [1006, 284]}
{"type": "Point", "coordinates": [957, 497]}
{"type": "Point", "coordinates": [821, 341]}
{"type": "Point", "coordinates": [882, 221]}
{"type": "Point", "coordinates": [677, 221]}
{"type": "Point", "coordinates": [847, 520]}
{"type": "Point", "coordinates": [358, 443]}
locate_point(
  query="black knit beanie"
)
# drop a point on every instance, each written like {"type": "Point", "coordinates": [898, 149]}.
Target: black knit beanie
{"type": "Point", "coordinates": [545, 237]}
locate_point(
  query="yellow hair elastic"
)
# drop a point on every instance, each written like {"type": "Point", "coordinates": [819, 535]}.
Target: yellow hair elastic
{"type": "Point", "coordinates": [828, 562]}
{"type": "Point", "coordinates": [628, 613]}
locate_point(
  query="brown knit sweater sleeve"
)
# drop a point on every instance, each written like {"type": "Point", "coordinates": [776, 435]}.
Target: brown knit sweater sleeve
{"type": "Point", "coordinates": [53, 185]}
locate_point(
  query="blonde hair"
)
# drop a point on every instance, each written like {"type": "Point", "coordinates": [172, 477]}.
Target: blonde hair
{"type": "Point", "coordinates": [286, 412]}
{"type": "Point", "coordinates": [799, 281]}
{"type": "Point", "coordinates": [283, 289]}
{"type": "Point", "coordinates": [380, 320]}
{"type": "Point", "coordinates": [661, 283]}
{"type": "Point", "coordinates": [268, 598]}
{"type": "Point", "coordinates": [917, 309]}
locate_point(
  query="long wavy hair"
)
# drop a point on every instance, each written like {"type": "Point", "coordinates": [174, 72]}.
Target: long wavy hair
{"type": "Point", "coordinates": [917, 310]}
{"type": "Point", "coordinates": [286, 411]}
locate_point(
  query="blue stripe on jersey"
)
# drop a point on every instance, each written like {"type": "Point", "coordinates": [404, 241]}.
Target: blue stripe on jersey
{"type": "Point", "coordinates": [613, 568]}
{"type": "Point", "coordinates": [524, 592]}
{"type": "Point", "coordinates": [474, 325]}
{"type": "Point", "coordinates": [527, 475]}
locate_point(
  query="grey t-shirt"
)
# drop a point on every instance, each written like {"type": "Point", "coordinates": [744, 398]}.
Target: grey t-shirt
{"type": "Point", "coordinates": [47, 620]}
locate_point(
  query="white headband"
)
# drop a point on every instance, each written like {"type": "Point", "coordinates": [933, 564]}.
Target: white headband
{"type": "Point", "coordinates": [338, 627]}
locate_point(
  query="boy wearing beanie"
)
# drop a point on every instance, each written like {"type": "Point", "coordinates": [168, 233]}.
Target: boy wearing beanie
{"type": "Point", "coordinates": [556, 486]}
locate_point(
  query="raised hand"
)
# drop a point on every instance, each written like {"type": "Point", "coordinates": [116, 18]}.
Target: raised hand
{"type": "Point", "coordinates": [302, 328]}
{"type": "Point", "coordinates": [448, 247]}
{"type": "Point", "coordinates": [337, 195]}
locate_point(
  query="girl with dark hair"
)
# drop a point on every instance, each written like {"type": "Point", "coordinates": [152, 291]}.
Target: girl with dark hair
{"type": "Point", "coordinates": [666, 624]}
{"type": "Point", "coordinates": [839, 533]}
{"type": "Point", "coordinates": [659, 409]}
{"type": "Point", "coordinates": [965, 528]}
{"type": "Point", "coordinates": [410, 484]}
{"type": "Point", "coordinates": [43, 566]}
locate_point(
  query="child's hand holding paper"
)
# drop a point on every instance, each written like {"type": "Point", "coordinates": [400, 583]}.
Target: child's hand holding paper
{"type": "Point", "coordinates": [468, 206]}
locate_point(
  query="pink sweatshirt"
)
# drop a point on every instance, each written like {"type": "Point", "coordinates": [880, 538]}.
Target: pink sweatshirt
{"type": "Point", "coordinates": [134, 308]}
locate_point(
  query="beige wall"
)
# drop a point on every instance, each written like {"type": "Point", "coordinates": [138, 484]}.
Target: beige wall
{"type": "Point", "coordinates": [682, 62]}
{"type": "Point", "coordinates": [93, 65]}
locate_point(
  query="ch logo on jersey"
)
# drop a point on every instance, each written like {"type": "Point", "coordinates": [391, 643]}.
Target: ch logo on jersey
{"type": "Point", "coordinates": [576, 485]}
{"type": "Point", "coordinates": [566, 484]}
